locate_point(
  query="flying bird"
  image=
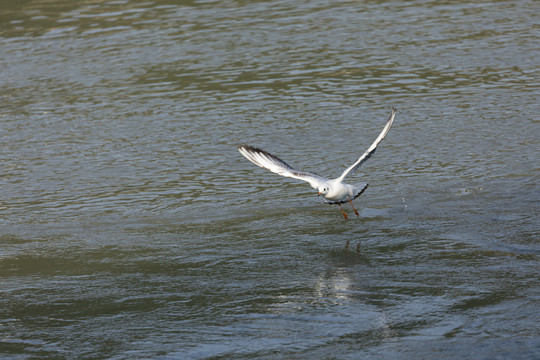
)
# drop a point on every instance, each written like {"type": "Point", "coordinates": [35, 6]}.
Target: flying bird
{"type": "Point", "coordinates": [335, 191]}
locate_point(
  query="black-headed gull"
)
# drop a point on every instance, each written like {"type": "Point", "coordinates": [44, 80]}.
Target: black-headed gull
{"type": "Point", "coordinates": [335, 190]}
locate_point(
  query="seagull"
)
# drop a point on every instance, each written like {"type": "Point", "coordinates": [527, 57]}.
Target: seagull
{"type": "Point", "coordinates": [335, 191]}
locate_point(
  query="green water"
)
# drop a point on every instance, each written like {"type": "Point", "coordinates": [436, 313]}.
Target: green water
{"type": "Point", "coordinates": [131, 227]}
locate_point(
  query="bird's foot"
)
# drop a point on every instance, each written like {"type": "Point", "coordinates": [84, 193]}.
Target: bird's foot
{"type": "Point", "coordinates": [355, 211]}
{"type": "Point", "coordinates": [343, 212]}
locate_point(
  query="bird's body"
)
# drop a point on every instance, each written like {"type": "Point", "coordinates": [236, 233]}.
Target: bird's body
{"type": "Point", "coordinates": [335, 191]}
{"type": "Point", "coordinates": [339, 191]}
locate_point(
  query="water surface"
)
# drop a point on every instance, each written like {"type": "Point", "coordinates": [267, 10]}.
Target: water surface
{"type": "Point", "coordinates": [130, 226]}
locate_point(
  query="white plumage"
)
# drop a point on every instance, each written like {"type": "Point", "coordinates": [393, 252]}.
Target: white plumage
{"type": "Point", "coordinates": [334, 190]}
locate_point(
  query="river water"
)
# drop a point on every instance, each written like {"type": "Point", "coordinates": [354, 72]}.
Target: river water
{"type": "Point", "coordinates": [131, 227]}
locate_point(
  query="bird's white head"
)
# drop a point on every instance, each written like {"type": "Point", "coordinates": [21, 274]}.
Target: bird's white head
{"type": "Point", "coordinates": [323, 189]}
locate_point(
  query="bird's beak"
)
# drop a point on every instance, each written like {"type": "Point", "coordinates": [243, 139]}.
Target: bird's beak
{"type": "Point", "coordinates": [319, 194]}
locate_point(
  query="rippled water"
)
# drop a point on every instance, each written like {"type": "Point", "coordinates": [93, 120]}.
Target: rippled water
{"type": "Point", "coordinates": [130, 226]}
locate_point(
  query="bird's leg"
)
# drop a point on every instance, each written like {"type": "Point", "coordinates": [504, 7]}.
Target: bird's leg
{"type": "Point", "coordinates": [355, 211]}
{"type": "Point", "coordinates": [343, 212]}
{"type": "Point", "coordinates": [358, 248]}
{"type": "Point", "coordinates": [347, 246]}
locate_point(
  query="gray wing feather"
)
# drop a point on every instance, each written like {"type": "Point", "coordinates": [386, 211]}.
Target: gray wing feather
{"type": "Point", "coordinates": [371, 150]}
{"type": "Point", "coordinates": [270, 162]}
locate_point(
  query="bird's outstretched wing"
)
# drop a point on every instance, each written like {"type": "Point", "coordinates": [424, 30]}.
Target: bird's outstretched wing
{"type": "Point", "coordinates": [367, 154]}
{"type": "Point", "coordinates": [276, 165]}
